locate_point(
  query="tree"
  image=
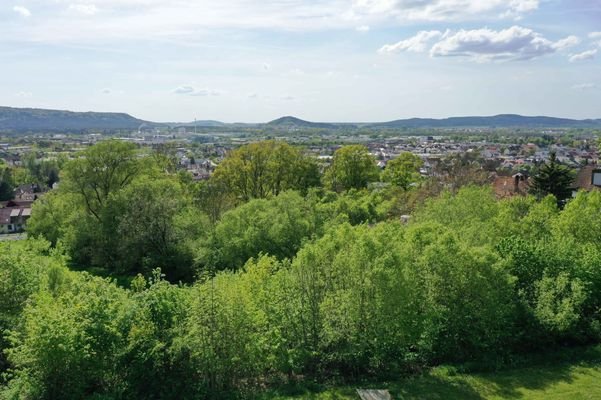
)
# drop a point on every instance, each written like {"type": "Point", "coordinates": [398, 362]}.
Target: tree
{"type": "Point", "coordinates": [145, 219]}
{"type": "Point", "coordinates": [403, 170]}
{"type": "Point", "coordinates": [275, 226]}
{"type": "Point", "coordinates": [260, 170]}
{"type": "Point", "coordinates": [122, 213]}
{"type": "Point", "coordinates": [352, 168]}
{"type": "Point", "coordinates": [103, 169]}
{"type": "Point", "coordinates": [553, 178]}
{"type": "Point", "coordinates": [459, 170]}
{"type": "Point", "coordinates": [6, 182]}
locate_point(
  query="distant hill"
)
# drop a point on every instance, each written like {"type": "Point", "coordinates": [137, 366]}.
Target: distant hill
{"type": "Point", "coordinates": [499, 121]}
{"type": "Point", "coordinates": [293, 122]}
{"type": "Point", "coordinates": [200, 124]}
{"type": "Point", "coordinates": [34, 119]}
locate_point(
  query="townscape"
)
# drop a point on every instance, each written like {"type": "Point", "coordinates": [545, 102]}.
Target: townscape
{"type": "Point", "coordinates": [300, 200]}
{"type": "Point", "coordinates": [499, 154]}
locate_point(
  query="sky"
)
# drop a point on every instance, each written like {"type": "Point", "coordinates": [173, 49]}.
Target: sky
{"type": "Point", "coordinates": [329, 60]}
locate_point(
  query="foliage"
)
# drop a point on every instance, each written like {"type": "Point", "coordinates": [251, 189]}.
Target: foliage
{"type": "Point", "coordinates": [553, 178]}
{"type": "Point", "coordinates": [265, 169]}
{"type": "Point", "coordinates": [352, 168]}
{"type": "Point", "coordinates": [121, 212]}
{"type": "Point", "coordinates": [277, 227]}
{"type": "Point", "coordinates": [462, 169]}
{"type": "Point", "coordinates": [403, 171]}
{"type": "Point", "coordinates": [319, 286]}
{"type": "Point", "coordinates": [6, 182]}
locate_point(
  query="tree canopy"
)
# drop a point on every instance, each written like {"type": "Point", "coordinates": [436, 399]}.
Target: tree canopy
{"type": "Point", "coordinates": [403, 171]}
{"type": "Point", "coordinates": [264, 169]}
{"type": "Point", "coordinates": [352, 168]}
{"type": "Point", "coordinates": [553, 178]}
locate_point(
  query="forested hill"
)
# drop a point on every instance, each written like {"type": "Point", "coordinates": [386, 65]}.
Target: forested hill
{"type": "Point", "coordinates": [500, 121]}
{"type": "Point", "coordinates": [293, 122]}
{"type": "Point", "coordinates": [34, 119]}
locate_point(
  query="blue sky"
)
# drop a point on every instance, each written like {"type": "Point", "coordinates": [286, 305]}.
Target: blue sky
{"type": "Point", "coordinates": [331, 60]}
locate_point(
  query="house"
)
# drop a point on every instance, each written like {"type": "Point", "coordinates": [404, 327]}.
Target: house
{"type": "Point", "coordinates": [27, 192]}
{"type": "Point", "coordinates": [14, 216]}
{"type": "Point", "coordinates": [588, 178]}
{"type": "Point", "coordinates": [509, 186]}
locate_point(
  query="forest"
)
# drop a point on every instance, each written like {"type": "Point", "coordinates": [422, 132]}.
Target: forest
{"type": "Point", "coordinates": [137, 282]}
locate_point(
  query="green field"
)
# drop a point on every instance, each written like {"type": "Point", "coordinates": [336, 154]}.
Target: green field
{"type": "Point", "coordinates": [550, 380]}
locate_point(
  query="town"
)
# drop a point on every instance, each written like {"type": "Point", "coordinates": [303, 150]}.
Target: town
{"type": "Point", "coordinates": [503, 158]}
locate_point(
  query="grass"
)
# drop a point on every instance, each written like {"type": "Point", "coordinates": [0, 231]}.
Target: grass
{"type": "Point", "coordinates": [551, 379]}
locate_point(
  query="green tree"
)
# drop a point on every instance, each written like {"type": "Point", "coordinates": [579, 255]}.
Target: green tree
{"type": "Point", "coordinates": [265, 169]}
{"type": "Point", "coordinates": [121, 212]}
{"type": "Point", "coordinates": [553, 178]}
{"type": "Point", "coordinates": [403, 170]}
{"type": "Point", "coordinates": [6, 182]}
{"type": "Point", "coordinates": [352, 168]}
{"type": "Point", "coordinates": [100, 171]}
{"type": "Point", "coordinates": [274, 226]}
{"type": "Point", "coordinates": [154, 223]}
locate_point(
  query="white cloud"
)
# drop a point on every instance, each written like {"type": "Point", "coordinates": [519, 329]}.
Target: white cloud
{"type": "Point", "coordinates": [515, 43]}
{"type": "Point", "coordinates": [24, 12]}
{"type": "Point", "coordinates": [191, 91]}
{"type": "Point", "coordinates": [443, 10]}
{"type": "Point", "coordinates": [567, 42]}
{"type": "Point", "coordinates": [266, 66]}
{"type": "Point", "coordinates": [24, 94]}
{"type": "Point", "coordinates": [595, 35]}
{"type": "Point", "coordinates": [183, 90]}
{"type": "Point", "coordinates": [584, 56]}
{"type": "Point", "coordinates": [288, 98]}
{"type": "Point", "coordinates": [418, 43]}
{"type": "Point", "coordinates": [584, 86]}
{"type": "Point", "coordinates": [106, 91]}
{"type": "Point", "coordinates": [191, 20]}
{"type": "Point", "coordinates": [84, 9]}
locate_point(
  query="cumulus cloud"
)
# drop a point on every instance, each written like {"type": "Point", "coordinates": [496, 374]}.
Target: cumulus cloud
{"type": "Point", "coordinates": [23, 11]}
{"type": "Point", "coordinates": [515, 43]}
{"type": "Point", "coordinates": [443, 10]}
{"type": "Point", "coordinates": [584, 56]}
{"type": "Point", "coordinates": [568, 42]}
{"type": "Point", "coordinates": [417, 44]}
{"type": "Point", "coordinates": [83, 9]}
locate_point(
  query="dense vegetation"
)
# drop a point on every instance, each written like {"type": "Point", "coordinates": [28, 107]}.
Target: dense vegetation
{"type": "Point", "coordinates": [286, 280]}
